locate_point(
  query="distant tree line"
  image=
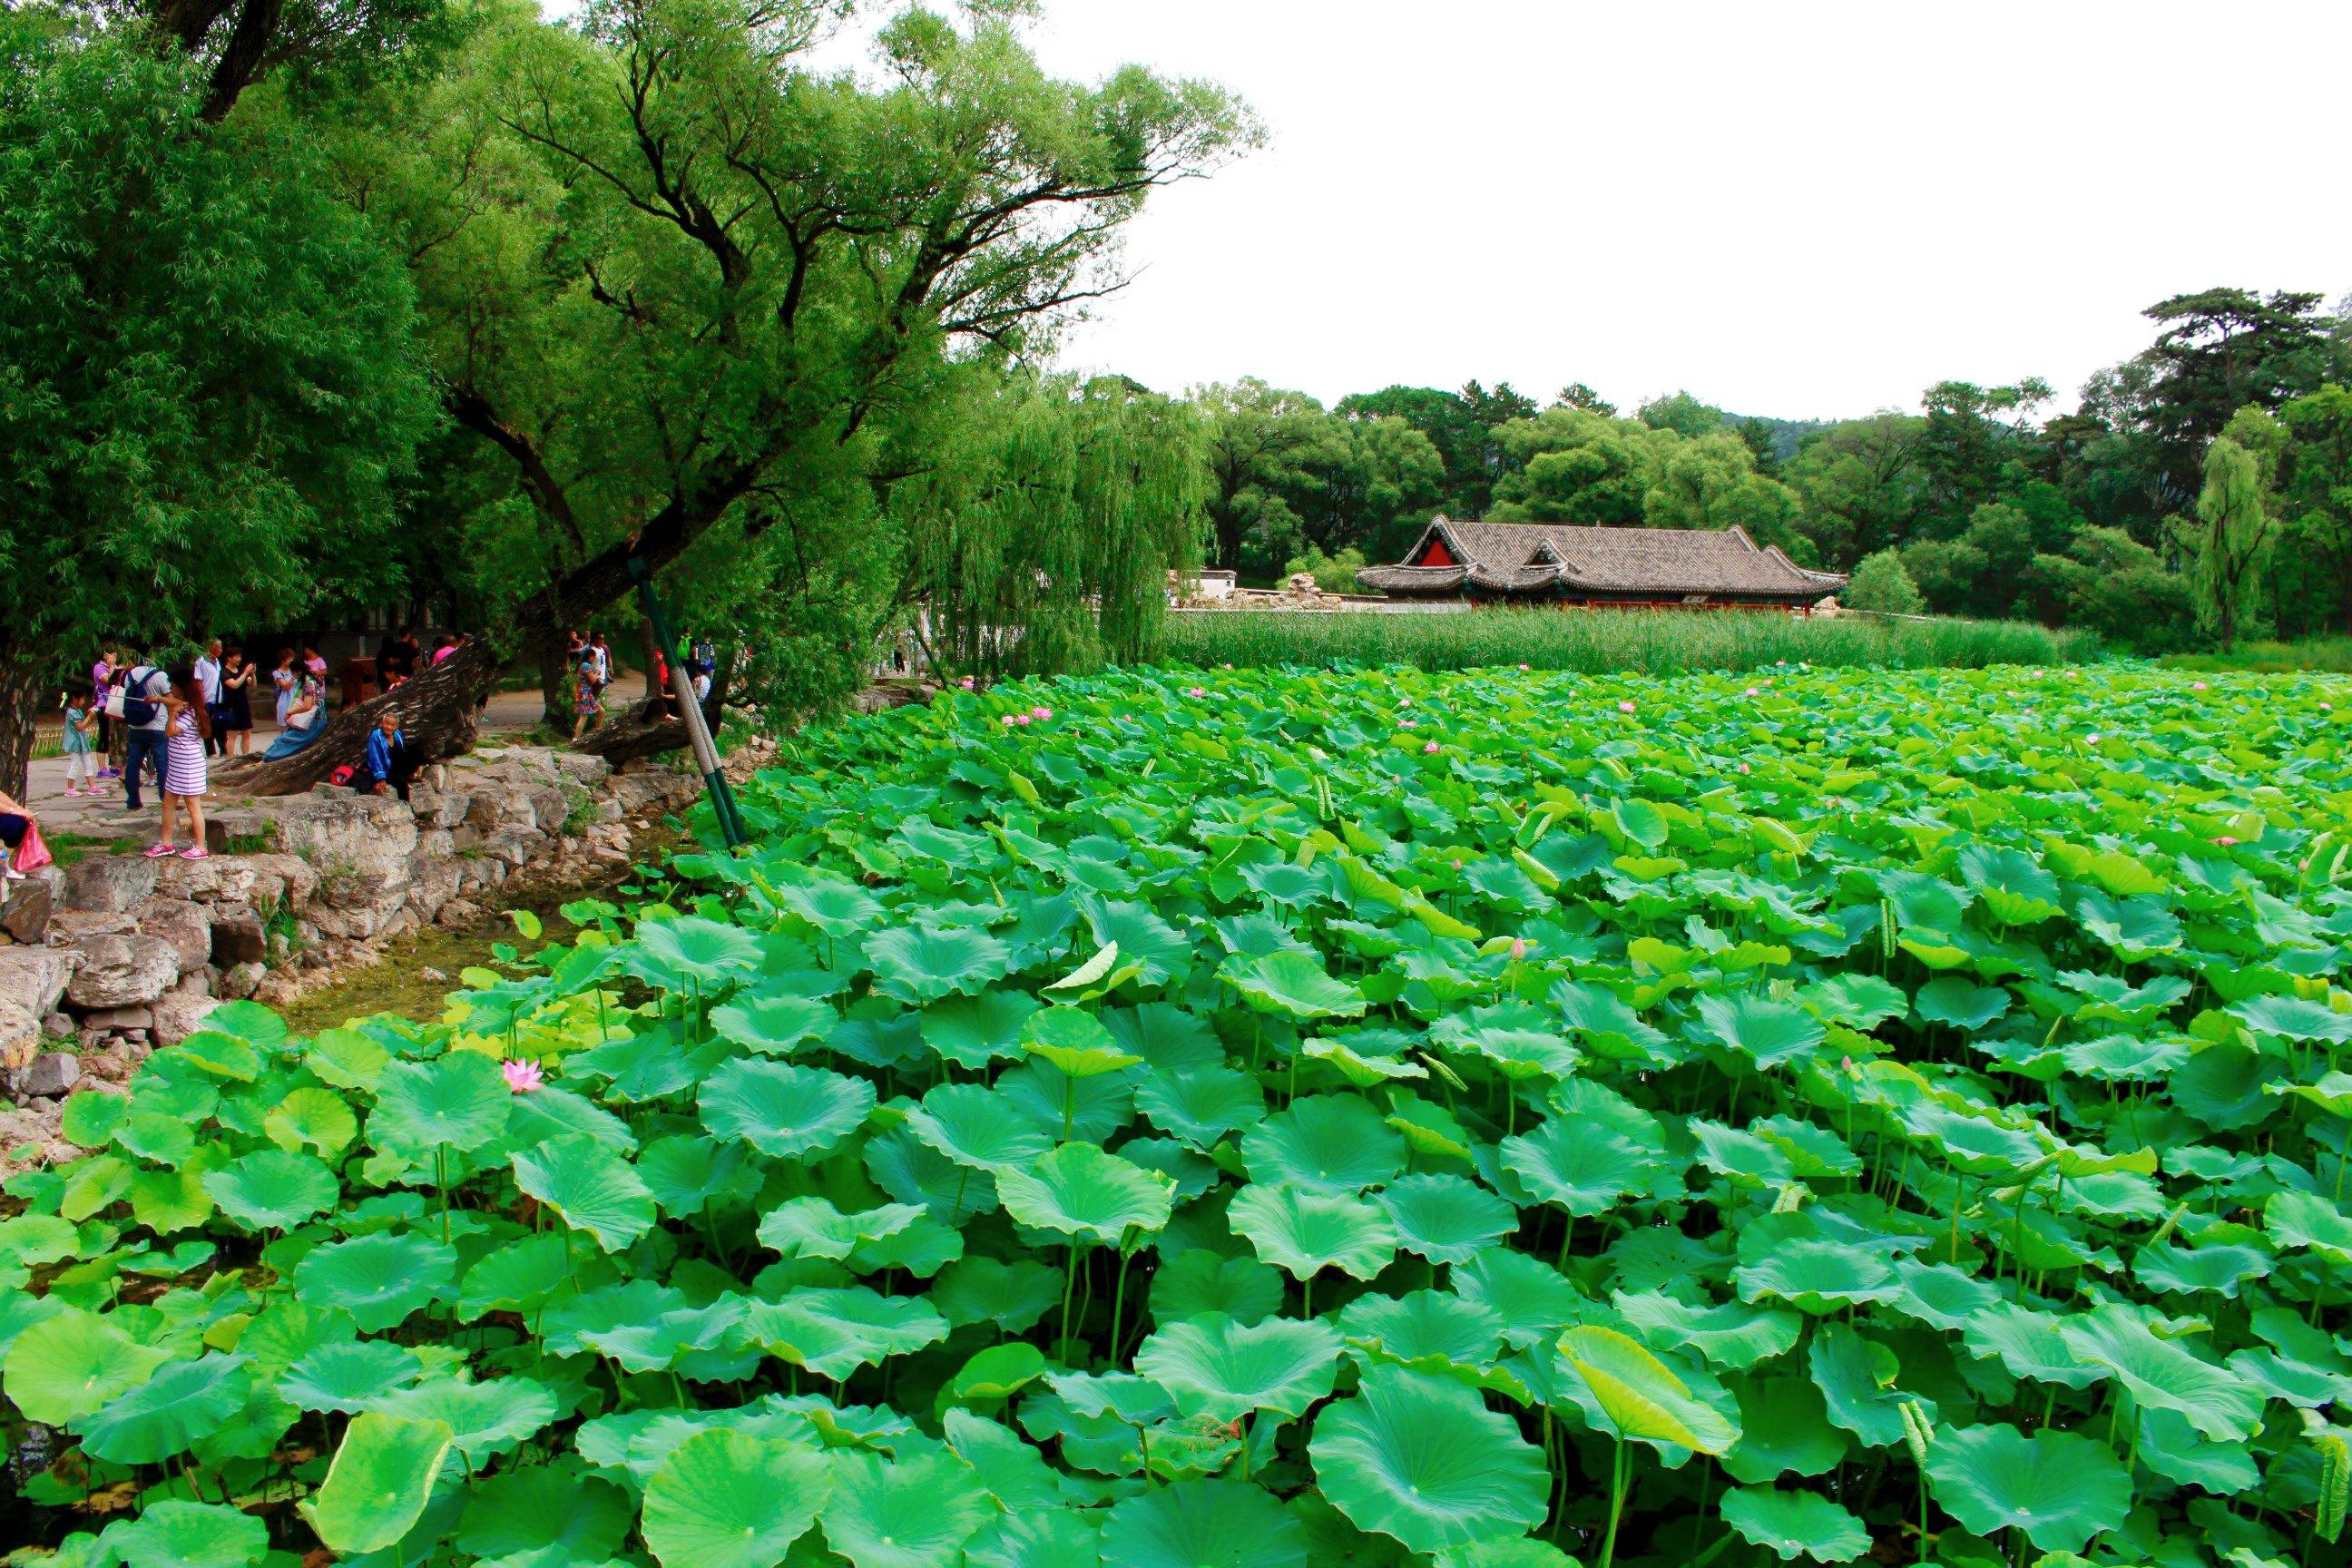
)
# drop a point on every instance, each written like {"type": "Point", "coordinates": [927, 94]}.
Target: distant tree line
{"type": "Point", "coordinates": [2203, 492]}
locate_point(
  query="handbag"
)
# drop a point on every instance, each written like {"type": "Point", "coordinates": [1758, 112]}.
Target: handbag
{"type": "Point", "coordinates": [114, 702]}
{"type": "Point", "coordinates": [32, 854]}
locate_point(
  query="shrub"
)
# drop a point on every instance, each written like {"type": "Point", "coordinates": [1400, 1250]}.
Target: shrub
{"type": "Point", "coordinates": [1881, 583]}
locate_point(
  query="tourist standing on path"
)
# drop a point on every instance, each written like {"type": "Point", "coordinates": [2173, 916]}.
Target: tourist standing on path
{"type": "Point", "coordinates": [235, 718]}
{"type": "Point", "coordinates": [143, 712]}
{"type": "Point", "coordinates": [117, 738]}
{"type": "Point", "coordinates": [390, 763]}
{"type": "Point", "coordinates": [209, 683]}
{"type": "Point", "coordinates": [101, 677]}
{"type": "Point", "coordinates": [604, 660]}
{"type": "Point", "coordinates": [187, 726]}
{"type": "Point", "coordinates": [285, 678]}
{"type": "Point", "coordinates": [587, 704]}
{"type": "Point", "coordinates": [82, 763]}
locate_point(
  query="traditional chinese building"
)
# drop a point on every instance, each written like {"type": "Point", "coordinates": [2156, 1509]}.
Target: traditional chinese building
{"type": "Point", "coordinates": [1633, 568]}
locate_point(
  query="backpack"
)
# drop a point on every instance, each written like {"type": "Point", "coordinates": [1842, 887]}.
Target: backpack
{"type": "Point", "coordinates": [138, 711]}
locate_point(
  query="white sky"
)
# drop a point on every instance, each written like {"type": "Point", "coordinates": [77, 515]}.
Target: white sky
{"type": "Point", "coordinates": [1801, 209]}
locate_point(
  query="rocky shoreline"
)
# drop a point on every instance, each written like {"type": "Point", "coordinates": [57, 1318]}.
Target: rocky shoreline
{"type": "Point", "coordinates": [120, 955]}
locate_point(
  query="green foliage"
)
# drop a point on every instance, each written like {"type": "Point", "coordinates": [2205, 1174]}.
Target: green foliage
{"type": "Point", "coordinates": [1629, 1088]}
{"type": "Point", "coordinates": [1880, 583]}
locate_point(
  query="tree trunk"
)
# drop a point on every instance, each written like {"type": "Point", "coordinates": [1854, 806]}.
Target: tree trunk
{"type": "Point", "coordinates": [439, 709]}
{"type": "Point", "coordinates": [555, 678]}
{"type": "Point", "coordinates": [653, 658]}
{"type": "Point", "coordinates": [21, 667]}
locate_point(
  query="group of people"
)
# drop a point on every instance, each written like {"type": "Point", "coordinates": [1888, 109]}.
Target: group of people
{"type": "Point", "coordinates": [590, 659]}
{"type": "Point", "coordinates": [399, 659]}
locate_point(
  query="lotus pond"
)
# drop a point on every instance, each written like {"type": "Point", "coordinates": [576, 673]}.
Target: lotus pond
{"type": "Point", "coordinates": [1270, 1120]}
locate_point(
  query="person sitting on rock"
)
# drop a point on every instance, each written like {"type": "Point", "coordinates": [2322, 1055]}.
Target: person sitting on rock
{"type": "Point", "coordinates": [390, 762]}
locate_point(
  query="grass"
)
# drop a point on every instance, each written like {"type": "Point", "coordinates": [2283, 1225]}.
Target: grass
{"type": "Point", "coordinates": [1597, 642]}
{"type": "Point", "coordinates": [2331, 654]}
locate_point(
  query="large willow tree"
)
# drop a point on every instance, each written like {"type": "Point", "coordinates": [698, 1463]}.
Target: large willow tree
{"type": "Point", "coordinates": [681, 282]}
{"type": "Point", "coordinates": [1043, 533]}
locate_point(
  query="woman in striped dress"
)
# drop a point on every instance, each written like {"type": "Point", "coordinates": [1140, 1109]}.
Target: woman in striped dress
{"type": "Point", "coordinates": [185, 731]}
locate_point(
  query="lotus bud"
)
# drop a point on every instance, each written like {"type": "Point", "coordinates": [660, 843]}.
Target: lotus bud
{"type": "Point", "coordinates": [1430, 748]}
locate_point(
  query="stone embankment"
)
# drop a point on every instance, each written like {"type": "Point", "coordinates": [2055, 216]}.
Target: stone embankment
{"type": "Point", "coordinates": [119, 954]}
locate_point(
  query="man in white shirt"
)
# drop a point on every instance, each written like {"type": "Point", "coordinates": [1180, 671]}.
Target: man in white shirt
{"type": "Point", "coordinates": [208, 681]}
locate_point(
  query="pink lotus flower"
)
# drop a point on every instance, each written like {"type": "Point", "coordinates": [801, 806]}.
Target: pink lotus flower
{"type": "Point", "coordinates": [1021, 719]}
{"type": "Point", "coordinates": [1523, 667]}
{"type": "Point", "coordinates": [1518, 948]}
{"type": "Point", "coordinates": [1041, 712]}
{"type": "Point", "coordinates": [2196, 686]}
{"type": "Point", "coordinates": [1749, 692]}
{"type": "Point", "coordinates": [2090, 740]}
{"type": "Point", "coordinates": [1196, 692]}
{"type": "Point", "coordinates": [523, 1077]}
{"type": "Point", "coordinates": [1006, 720]}
{"type": "Point", "coordinates": [1405, 724]}
{"type": "Point", "coordinates": [966, 683]}
{"type": "Point", "coordinates": [2226, 842]}
{"type": "Point", "coordinates": [1625, 708]}
{"type": "Point", "coordinates": [1781, 663]}
{"type": "Point", "coordinates": [1743, 767]}
{"type": "Point", "coordinates": [1430, 748]}
{"type": "Point", "coordinates": [1457, 865]}
{"type": "Point", "coordinates": [1404, 701]}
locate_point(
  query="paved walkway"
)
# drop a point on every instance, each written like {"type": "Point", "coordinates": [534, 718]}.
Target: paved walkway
{"type": "Point", "coordinates": [103, 816]}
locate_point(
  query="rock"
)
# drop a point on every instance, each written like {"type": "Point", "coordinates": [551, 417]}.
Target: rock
{"type": "Point", "coordinates": [25, 912]}
{"type": "Point", "coordinates": [237, 937]}
{"type": "Point", "coordinates": [184, 925]}
{"type": "Point", "coordinates": [116, 1020]}
{"type": "Point", "coordinates": [179, 1015]}
{"type": "Point", "coordinates": [110, 884]}
{"type": "Point", "coordinates": [278, 989]}
{"type": "Point", "coordinates": [432, 974]}
{"type": "Point", "coordinates": [242, 981]}
{"type": "Point", "coordinates": [459, 913]}
{"type": "Point", "coordinates": [52, 1073]}
{"type": "Point", "coordinates": [110, 1066]}
{"type": "Point", "coordinates": [195, 982]}
{"type": "Point", "coordinates": [123, 971]}
{"type": "Point", "coordinates": [514, 845]}
{"type": "Point", "coordinates": [20, 1034]}
{"type": "Point", "coordinates": [59, 1025]}
{"type": "Point", "coordinates": [35, 978]}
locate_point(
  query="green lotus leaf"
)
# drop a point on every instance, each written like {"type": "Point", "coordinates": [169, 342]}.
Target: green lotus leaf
{"type": "Point", "coordinates": [1306, 1232]}
{"type": "Point", "coordinates": [1584, 1169]}
{"type": "Point", "coordinates": [994, 1375]}
{"type": "Point", "coordinates": [724, 1500]}
{"type": "Point", "coordinates": [1816, 1277]}
{"type": "Point", "coordinates": [1794, 1524]}
{"type": "Point", "coordinates": [2221, 1268]}
{"type": "Point", "coordinates": [345, 1376]}
{"type": "Point", "coordinates": [1959, 1003]}
{"type": "Point", "coordinates": [978, 1127]}
{"type": "Point", "coordinates": [1214, 1367]}
{"type": "Point", "coordinates": [834, 1332]}
{"type": "Point", "coordinates": [1510, 1552]}
{"type": "Point", "coordinates": [1734, 1335]}
{"type": "Point", "coordinates": [2306, 1219]}
{"type": "Point", "coordinates": [29, 1240]}
{"type": "Point", "coordinates": [1422, 1459]}
{"type": "Point", "coordinates": [91, 1117]}
{"type": "Point", "coordinates": [1422, 1324]}
{"type": "Point", "coordinates": [914, 1512]}
{"type": "Point", "coordinates": [835, 906]}
{"type": "Point", "coordinates": [219, 1055]}
{"type": "Point", "coordinates": [1203, 1522]}
{"type": "Point", "coordinates": [784, 1112]}
{"type": "Point", "coordinates": [2293, 1018]}
{"type": "Point", "coordinates": [2028, 1343]}
{"type": "Point", "coordinates": [379, 1279]}
{"type": "Point", "coordinates": [524, 1275]}
{"type": "Point", "coordinates": [1201, 1104]}
{"type": "Point", "coordinates": [813, 1228]}
{"type": "Point", "coordinates": [590, 1187]}
{"type": "Point", "coordinates": [553, 1513]}
{"type": "Point", "coordinates": [1065, 1538]}
{"type": "Point", "coordinates": [920, 965]}
{"type": "Point", "coordinates": [64, 1367]}
{"type": "Point", "coordinates": [2059, 1489]}
{"type": "Point", "coordinates": [1291, 984]}
{"type": "Point", "coordinates": [691, 950]}
{"type": "Point", "coordinates": [272, 1189]}
{"type": "Point", "coordinates": [1446, 1219]}
{"type": "Point", "coordinates": [1010, 1295]}
{"type": "Point", "coordinates": [458, 1101]}
{"type": "Point", "coordinates": [973, 1031]}
{"type": "Point", "coordinates": [2160, 1374]}
{"type": "Point", "coordinates": [1766, 1032]}
{"type": "Point", "coordinates": [1197, 1282]}
{"type": "Point", "coordinates": [176, 1534]}
{"type": "Point", "coordinates": [774, 1026]}
{"type": "Point", "coordinates": [2013, 886]}
{"type": "Point", "coordinates": [1856, 1378]}
{"type": "Point", "coordinates": [1080, 1192]}
{"type": "Point", "coordinates": [311, 1117]}
{"type": "Point", "coordinates": [1784, 1428]}
{"type": "Point", "coordinates": [1324, 1143]}
{"type": "Point", "coordinates": [643, 1326]}
{"type": "Point", "coordinates": [1639, 1397]}
{"type": "Point", "coordinates": [157, 1139]}
{"type": "Point", "coordinates": [485, 1419]}
{"type": "Point", "coordinates": [347, 1058]}
{"type": "Point", "coordinates": [1075, 1042]}
{"type": "Point", "coordinates": [184, 1401]}
{"type": "Point", "coordinates": [685, 1173]}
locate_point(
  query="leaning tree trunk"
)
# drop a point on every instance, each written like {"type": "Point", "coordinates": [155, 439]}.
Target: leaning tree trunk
{"type": "Point", "coordinates": [21, 667]}
{"type": "Point", "coordinates": [439, 709]}
{"type": "Point", "coordinates": [646, 729]}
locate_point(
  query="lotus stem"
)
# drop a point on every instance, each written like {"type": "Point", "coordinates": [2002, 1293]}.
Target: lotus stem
{"type": "Point", "coordinates": [1617, 1479]}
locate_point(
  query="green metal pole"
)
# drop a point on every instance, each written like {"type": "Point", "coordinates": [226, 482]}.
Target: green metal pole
{"type": "Point", "coordinates": [697, 732]}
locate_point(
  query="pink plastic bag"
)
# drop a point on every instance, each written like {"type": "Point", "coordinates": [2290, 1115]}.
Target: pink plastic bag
{"type": "Point", "coordinates": [32, 854]}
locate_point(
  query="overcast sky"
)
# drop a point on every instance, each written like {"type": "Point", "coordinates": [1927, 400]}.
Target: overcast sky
{"type": "Point", "coordinates": [1800, 209]}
